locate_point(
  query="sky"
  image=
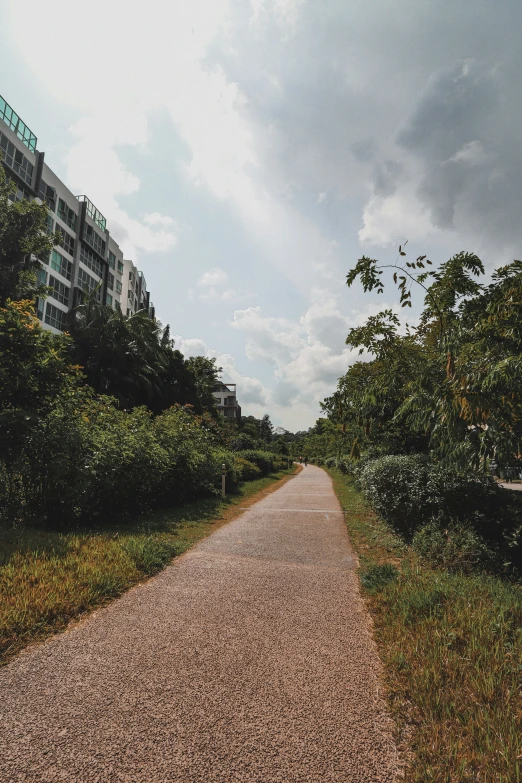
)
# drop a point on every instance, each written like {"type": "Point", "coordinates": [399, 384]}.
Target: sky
{"type": "Point", "coordinates": [247, 152]}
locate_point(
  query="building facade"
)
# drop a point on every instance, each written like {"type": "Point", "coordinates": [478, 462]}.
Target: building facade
{"type": "Point", "coordinates": [226, 401]}
{"type": "Point", "coordinates": [87, 259]}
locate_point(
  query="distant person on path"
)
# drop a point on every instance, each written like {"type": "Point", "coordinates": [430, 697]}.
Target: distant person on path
{"type": "Point", "coordinates": [306, 461]}
{"type": "Point", "coordinates": [300, 460]}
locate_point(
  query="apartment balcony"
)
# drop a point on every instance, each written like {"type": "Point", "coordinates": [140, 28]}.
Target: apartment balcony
{"type": "Point", "coordinates": [94, 213]}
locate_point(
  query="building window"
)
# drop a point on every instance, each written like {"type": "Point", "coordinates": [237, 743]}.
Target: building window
{"type": "Point", "coordinates": [60, 291]}
{"type": "Point", "coordinates": [16, 160]}
{"type": "Point", "coordinates": [112, 260]}
{"type": "Point", "coordinates": [13, 121]}
{"type": "Point", "coordinates": [66, 240]}
{"type": "Point", "coordinates": [110, 281]}
{"type": "Point", "coordinates": [61, 265]}
{"type": "Point", "coordinates": [54, 317]}
{"type": "Point", "coordinates": [94, 240]}
{"type": "Point", "coordinates": [89, 259]}
{"type": "Point", "coordinates": [19, 193]}
{"type": "Point", "coordinates": [41, 277]}
{"type": "Point", "coordinates": [118, 287]}
{"type": "Point", "coordinates": [120, 267]}
{"type": "Point", "coordinates": [88, 283]}
{"type": "Point", "coordinates": [47, 194]}
{"type": "Point", "coordinates": [66, 214]}
{"type": "Point", "coordinates": [50, 224]}
{"type": "Point", "coordinates": [108, 300]}
{"type": "Point", "coordinates": [40, 305]}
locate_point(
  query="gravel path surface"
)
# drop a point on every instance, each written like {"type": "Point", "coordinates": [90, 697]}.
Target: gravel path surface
{"type": "Point", "coordinates": [249, 659]}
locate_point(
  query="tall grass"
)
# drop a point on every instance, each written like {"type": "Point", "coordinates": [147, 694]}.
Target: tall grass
{"type": "Point", "coordinates": [49, 578]}
{"type": "Point", "coordinates": [452, 649]}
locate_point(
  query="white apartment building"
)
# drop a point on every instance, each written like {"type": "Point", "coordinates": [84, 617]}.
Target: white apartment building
{"type": "Point", "coordinates": [134, 294]}
{"type": "Point", "coordinates": [226, 400]}
{"type": "Point", "coordinates": [87, 258]}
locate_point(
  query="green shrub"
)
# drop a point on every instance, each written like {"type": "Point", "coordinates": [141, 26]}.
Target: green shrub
{"type": "Point", "coordinates": [246, 470]}
{"type": "Point", "coordinates": [87, 459]}
{"type": "Point", "coordinates": [396, 488]}
{"type": "Point", "coordinates": [265, 460]}
{"type": "Point", "coordinates": [457, 548]}
{"type": "Point", "coordinates": [409, 491]}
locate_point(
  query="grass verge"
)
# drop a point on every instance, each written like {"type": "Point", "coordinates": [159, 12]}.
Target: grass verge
{"type": "Point", "coordinates": [48, 579]}
{"type": "Point", "coordinates": [452, 651]}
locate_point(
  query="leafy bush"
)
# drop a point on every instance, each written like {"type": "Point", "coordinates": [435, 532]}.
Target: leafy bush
{"type": "Point", "coordinates": [87, 459]}
{"type": "Point", "coordinates": [265, 460]}
{"type": "Point", "coordinates": [457, 548]}
{"type": "Point", "coordinates": [409, 491]}
{"type": "Point", "coordinates": [396, 487]}
{"type": "Point", "coordinates": [246, 470]}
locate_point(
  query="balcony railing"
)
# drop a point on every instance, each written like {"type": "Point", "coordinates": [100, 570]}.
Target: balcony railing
{"type": "Point", "coordinates": [13, 121]}
{"type": "Point", "coordinates": [94, 213]}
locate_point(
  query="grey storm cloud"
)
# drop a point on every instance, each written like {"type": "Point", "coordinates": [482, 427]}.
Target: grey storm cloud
{"type": "Point", "coordinates": [360, 98]}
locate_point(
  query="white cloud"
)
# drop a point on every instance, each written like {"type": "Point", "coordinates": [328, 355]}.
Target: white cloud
{"type": "Point", "coordinates": [212, 282]}
{"type": "Point", "coordinates": [213, 277]}
{"type": "Point", "coordinates": [251, 391]}
{"type": "Point", "coordinates": [392, 220]}
{"type": "Point", "coordinates": [306, 357]}
{"type": "Point", "coordinates": [472, 154]}
{"type": "Point", "coordinates": [157, 219]}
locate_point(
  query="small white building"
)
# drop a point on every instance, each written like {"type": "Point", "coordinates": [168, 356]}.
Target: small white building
{"type": "Point", "coordinates": [226, 401]}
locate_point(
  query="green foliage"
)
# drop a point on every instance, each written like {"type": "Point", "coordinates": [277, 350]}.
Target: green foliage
{"type": "Point", "coordinates": [408, 491]}
{"type": "Point", "coordinates": [87, 459]}
{"type": "Point", "coordinates": [23, 241]}
{"type": "Point", "coordinates": [266, 461]}
{"type": "Point", "coordinates": [246, 470]}
{"type": "Point", "coordinates": [453, 384]}
{"type": "Point", "coordinates": [461, 521]}
{"type": "Point", "coordinates": [133, 359]}
{"type": "Point", "coordinates": [458, 548]}
{"type": "Point", "coordinates": [206, 377]}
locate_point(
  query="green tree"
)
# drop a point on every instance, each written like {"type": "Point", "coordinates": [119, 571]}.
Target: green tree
{"type": "Point", "coordinates": [121, 355]}
{"type": "Point", "coordinates": [454, 381]}
{"type": "Point", "coordinates": [23, 241]}
{"type": "Point", "coordinates": [206, 378]}
{"type": "Point", "coordinates": [35, 372]}
{"type": "Point", "coordinates": [265, 429]}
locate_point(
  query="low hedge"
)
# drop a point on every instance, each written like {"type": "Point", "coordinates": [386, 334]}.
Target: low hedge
{"type": "Point", "coordinates": [87, 459]}
{"type": "Point", "coordinates": [264, 460]}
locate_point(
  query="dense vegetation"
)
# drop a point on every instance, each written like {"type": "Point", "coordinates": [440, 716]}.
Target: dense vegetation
{"type": "Point", "coordinates": [108, 419]}
{"type": "Point", "coordinates": [435, 409]}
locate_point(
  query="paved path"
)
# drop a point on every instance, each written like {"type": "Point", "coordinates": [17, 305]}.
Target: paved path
{"type": "Point", "coordinates": [249, 659]}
